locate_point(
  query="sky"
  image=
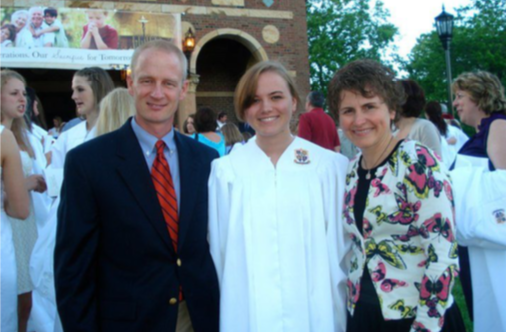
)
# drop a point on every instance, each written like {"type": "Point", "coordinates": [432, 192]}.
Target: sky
{"type": "Point", "coordinates": [414, 17]}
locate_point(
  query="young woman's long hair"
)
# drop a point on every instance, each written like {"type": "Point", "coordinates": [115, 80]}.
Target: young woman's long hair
{"type": "Point", "coordinates": [18, 127]}
{"type": "Point", "coordinates": [434, 113]}
{"type": "Point", "coordinates": [115, 109]}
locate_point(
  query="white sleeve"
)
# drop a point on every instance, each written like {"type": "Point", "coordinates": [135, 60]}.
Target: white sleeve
{"type": "Point", "coordinates": [480, 207]}
{"type": "Point", "coordinates": [338, 244]}
{"type": "Point", "coordinates": [59, 150]}
{"type": "Point", "coordinates": [219, 213]}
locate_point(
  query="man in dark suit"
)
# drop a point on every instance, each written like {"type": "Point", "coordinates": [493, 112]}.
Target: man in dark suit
{"type": "Point", "coordinates": [131, 246]}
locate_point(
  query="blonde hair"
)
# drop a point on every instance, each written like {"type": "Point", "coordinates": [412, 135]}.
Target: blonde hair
{"type": "Point", "coordinates": [231, 133]}
{"type": "Point", "coordinates": [485, 90]}
{"type": "Point", "coordinates": [18, 127]}
{"type": "Point", "coordinates": [115, 109]}
{"type": "Point", "coordinates": [247, 87]}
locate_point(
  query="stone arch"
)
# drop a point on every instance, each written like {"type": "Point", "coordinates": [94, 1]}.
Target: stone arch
{"type": "Point", "coordinates": [242, 37]}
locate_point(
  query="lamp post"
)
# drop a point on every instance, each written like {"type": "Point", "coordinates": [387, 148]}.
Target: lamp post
{"type": "Point", "coordinates": [444, 24]}
{"type": "Point", "coordinates": [143, 21]}
{"type": "Point", "coordinates": [189, 45]}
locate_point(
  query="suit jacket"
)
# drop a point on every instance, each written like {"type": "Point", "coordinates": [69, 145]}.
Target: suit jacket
{"type": "Point", "coordinates": [115, 266]}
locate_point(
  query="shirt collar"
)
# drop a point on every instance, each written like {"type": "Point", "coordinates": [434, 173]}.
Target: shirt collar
{"type": "Point", "coordinates": [148, 141]}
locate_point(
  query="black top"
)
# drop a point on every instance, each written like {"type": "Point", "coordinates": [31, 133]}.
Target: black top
{"type": "Point", "coordinates": [367, 291]}
{"type": "Point", "coordinates": [476, 146]}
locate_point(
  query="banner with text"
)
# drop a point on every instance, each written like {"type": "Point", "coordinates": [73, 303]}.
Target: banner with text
{"type": "Point", "coordinates": [74, 38]}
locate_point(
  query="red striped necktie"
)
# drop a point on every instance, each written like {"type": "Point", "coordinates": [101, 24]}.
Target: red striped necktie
{"type": "Point", "coordinates": [164, 186]}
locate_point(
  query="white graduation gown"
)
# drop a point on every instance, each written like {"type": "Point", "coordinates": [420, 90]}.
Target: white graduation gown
{"type": "Point", "coordinates": [44, 316]}
{"type": "Point", "coordinates": [277, 239]}
{"type": "Point", "coordinates": [8, 274]}
{"type": "Point", "coordinates": [41, 201]}
{"type": "Point", "coordinates": [480, 208]}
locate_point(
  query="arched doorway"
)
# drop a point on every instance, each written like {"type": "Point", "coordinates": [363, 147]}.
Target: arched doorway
{"type": "Point", "coordinates": [220, 65]}
{"type": "Point", "coordinates": [219, 60]}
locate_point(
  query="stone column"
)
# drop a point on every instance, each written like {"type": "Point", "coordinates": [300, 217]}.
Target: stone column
{"type": "Point", "coordinates": [189, 104]}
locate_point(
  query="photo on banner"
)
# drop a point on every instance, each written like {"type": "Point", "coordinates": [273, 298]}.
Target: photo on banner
{"type": "Point", "coordinates": [73, 38]}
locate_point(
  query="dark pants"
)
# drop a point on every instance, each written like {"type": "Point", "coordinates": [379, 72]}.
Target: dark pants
{"type": "Point", "coordinates": [368, 318]}
{"type": "Point", "coordinates": [465, 279]}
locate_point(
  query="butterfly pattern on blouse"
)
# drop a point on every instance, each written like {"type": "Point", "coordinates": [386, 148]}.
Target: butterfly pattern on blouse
{"type": "Point", "coordinates": [354, 265]}
{"type": "Point", "coordinates": [350, 176]}
{"type": "Point", "coordinates": [440, 226]}
{"type": "Point", "coordinates": [387, 285]}
{"type": "Point", "coordinates": [349, 202]}
{"type": "Point", "coordinates": [420, 177]}
{"type": "Point", "coordinates": [454, 250]}
{"type": "Point", "coordinates": [413, 231]}
{"type": "Point", "coordinates": [414, 180]}
{"type": "Point", "coordinates": [380, 215]}
{"type": "Point", "coordinates": [409, 249]}
{"type": "Point", "coordinates": [386, 250]}
{"type": "Point", "coordinates": [406, 311]}
{"type": "Point", "coordinates": [407, 212]}
{"type": "Point", "coordinates": [448, 191]}
{"type": "Point", "coordinates": [431, 257]}
{"type": "Point", "coordinates": [419, 327]}
{"type": "Point", "coordinates": [379, 187]}
{"type": "Point", "coordinates": [437, 291]}
{"type": "Point", "coordinates": [367, 228]}
{"type": "Point", "coordinates": [355, 240]}
{"type": "Point", "coordinates": [353, 293]}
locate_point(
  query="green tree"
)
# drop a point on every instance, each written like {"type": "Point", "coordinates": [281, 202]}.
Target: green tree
{"type": "Point", "coordinates": [340, 31]}
{"type": "Point", "coordinates": [478, 44]}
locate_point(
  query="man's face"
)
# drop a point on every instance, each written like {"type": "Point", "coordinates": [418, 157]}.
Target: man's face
{"type": "Point", "coordinates": [36, 18]}
{"type": "Point", "coordinates": [49, 19]}
{"type": "Point", "coordinates": [157, 87]}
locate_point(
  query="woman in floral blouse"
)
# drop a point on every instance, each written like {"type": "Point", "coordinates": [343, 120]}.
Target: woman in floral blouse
{"type": "Point", "coordinates": [398, 211]}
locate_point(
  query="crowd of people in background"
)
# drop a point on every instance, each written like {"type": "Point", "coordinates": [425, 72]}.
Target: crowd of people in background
{"type": "Point", "coordinates": [362, 221]}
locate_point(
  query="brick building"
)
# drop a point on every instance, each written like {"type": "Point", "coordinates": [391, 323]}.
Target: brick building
{"type": "Point", "coordinates": [231, 35]}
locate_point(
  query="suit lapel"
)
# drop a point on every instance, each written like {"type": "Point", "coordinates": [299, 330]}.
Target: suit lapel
{"type": "Point", "coordinates": [134, 171]}
{"type": "Point", "coordinates": [188, 169]}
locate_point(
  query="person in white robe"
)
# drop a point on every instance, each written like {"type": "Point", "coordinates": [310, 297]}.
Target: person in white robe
{"type": "Point", "coordinates": [479, 178]}
{"type": "Point", "coordinates": [89, 86]}
{"type": "Point", "coordinates": [480, 211]}
{"type": "Point", "coordinates": [15, 203]}
{"type": "Point", "coordinates": [275, 227]}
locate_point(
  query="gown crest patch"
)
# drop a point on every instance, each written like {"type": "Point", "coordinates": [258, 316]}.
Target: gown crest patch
{"type": "Point", "coordinates": [500, 216]}
{"type": "Point", "coordinates": [301, 157]}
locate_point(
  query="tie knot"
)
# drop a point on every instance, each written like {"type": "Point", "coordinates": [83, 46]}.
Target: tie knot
{"type": "Point", "coordinates": [160, 145]}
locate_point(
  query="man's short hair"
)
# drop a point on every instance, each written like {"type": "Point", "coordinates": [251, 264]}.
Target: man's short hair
{"type": "Point", "coordinates": [160, 45]}
{"type": "Point", "coordinates": [35, 9]}
{"type": "Point", "coordinates": [221, 115]}
{"type": "Point", "coordinates": [316, 99]}
{"type": "Point", "coordinates": [51, 12]}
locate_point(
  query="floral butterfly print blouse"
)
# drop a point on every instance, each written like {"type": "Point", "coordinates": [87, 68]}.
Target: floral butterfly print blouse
{"type": "Point", "coordinates": [408, 241]}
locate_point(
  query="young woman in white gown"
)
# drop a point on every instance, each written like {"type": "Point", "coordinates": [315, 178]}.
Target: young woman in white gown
{"type": "Point", "coordinates": [89, 86]}
{"type": "Point", "coordinates": [24, 233]}
{"type": "Point", "coordinates": [15, 203]}
{"type": "Point", "coordinates": [276, 233]}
